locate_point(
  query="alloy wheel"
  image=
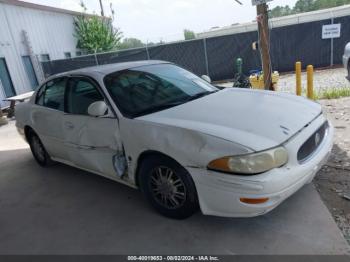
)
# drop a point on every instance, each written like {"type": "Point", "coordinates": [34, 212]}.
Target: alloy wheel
{"type": "Point", "coordinates": [167, 188]}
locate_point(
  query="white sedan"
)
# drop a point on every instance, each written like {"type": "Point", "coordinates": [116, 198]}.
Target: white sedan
{"type": "Point", "coordinates": [155, 126]}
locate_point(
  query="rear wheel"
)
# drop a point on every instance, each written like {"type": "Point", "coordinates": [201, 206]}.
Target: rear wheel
{"type": "Point", "coordinates": [168, 187]}
{"type": "Point", "coordinates": [348, 71]}
{"type": "Point", "coordinates": [38, 150]}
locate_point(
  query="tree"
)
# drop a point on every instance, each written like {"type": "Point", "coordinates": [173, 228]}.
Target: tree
{"type": "Point", "coordinates": [281, 11]}
{"type": "Point", "coordinates": [188, 34]}
{"type": "Point", "coordinates": [306, 6]}
{"type": "Point", "coordinates": [321, 4]}
{"type": "Point", "coordinates": [131, 43]}
{"type": "Point", "coordinates": [96, 34]}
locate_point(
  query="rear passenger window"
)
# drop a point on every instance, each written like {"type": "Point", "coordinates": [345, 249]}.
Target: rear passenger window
{"type": "Point", "coordinates": [81, 93]}
{"type": "Point", "coordinates": [52, 94]}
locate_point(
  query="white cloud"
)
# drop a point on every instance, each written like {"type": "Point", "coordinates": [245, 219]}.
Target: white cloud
{"type": "Point", "coordinates": [71, 5]}
{"type": "Point", "coordinates": [155, 19]}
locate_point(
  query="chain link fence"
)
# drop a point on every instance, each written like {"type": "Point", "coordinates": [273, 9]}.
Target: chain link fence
{"type": "Point", "coordinates": [215, 56]}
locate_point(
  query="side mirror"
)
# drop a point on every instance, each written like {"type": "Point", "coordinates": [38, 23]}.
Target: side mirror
{"type": "Point", "coordinates": [98, 108]}
{"type": "Point", "coordinates": [206, 78]}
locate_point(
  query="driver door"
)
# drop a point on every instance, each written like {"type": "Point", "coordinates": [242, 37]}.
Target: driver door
{"type": "Point", "coordinates": [92, 142]}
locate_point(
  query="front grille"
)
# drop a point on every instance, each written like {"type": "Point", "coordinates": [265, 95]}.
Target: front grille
{"type": "Point", "coordinates": [311, 145]}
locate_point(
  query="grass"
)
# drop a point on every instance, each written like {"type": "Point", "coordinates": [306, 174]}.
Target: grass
{"type": "Point", "coordinates": [333, 93]}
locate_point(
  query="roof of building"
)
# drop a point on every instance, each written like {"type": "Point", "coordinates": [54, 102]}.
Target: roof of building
{"type": "Point", "coordinates": [42, 7]}
{"type": "Point", "coordinates": [279, 21]}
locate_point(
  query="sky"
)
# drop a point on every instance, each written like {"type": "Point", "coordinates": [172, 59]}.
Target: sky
{"type": "Point", "coordinates": [155, 20]}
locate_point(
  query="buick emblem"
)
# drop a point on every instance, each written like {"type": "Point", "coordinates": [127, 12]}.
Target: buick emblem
{"type": "Point", "coordinates": [317, 139]}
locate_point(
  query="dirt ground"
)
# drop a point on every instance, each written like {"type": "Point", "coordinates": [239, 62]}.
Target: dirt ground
{"type": "Point", "coordinates": [333, 181]}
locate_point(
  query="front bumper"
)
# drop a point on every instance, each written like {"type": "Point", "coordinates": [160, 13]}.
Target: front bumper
{"type": "Point", "coordinates": [219, 194]}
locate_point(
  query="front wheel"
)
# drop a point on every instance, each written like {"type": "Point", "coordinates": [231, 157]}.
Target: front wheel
{"type": "Point", "coordinates": [168, 187]}
{"type": "Point", "coordinates": [38, 150]}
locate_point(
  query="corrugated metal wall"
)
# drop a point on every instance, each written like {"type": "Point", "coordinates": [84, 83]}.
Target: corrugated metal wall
{"type": "Point", "coordinates": [49, 32]}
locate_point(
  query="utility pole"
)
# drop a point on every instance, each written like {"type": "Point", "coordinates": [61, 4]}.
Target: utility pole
{"type": "Point", "coordinates": [264, 40]}
{"type": "Point", "coordinates": [102, 12]}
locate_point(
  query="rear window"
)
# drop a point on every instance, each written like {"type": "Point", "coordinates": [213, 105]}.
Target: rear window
{"type": "Point", "coordinates": [51, 95]}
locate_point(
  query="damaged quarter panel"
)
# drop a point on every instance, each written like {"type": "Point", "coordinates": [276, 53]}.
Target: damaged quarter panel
{"type": "Point", "coordinates": [188, 147]}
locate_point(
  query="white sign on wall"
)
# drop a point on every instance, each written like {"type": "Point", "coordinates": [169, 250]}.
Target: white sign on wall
{"type": "Point", "coordinates": [259, 2]}
{"type": "Point", "coordinates": [331, 31]}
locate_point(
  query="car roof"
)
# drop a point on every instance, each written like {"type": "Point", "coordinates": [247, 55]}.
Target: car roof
{"type": "Point", "coordinates": [109, 68]}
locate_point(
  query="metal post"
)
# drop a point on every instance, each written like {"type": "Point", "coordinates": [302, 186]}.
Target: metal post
{"type": "Point", "coordinates": [96, 60]}
{"type": "Point", "coordinates": [298, 78]}
{"type": "Point", "coordinates": [102, 12]}
{"type": "Point", "coordinates": [332, 46]}
{"type": "Point", "coordinates": [147, 51]}
{"type": "Point", "coordinates": [206, 56]}
{"type": "Point", "coordinates": [310, 82]}
{"type": "Point", "coordinates": [332, 49]}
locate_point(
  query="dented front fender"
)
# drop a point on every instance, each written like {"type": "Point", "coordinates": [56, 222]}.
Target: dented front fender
{"type": "Point", "coordinates": [188, 147]}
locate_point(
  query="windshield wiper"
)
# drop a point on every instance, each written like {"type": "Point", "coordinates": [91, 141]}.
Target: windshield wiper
{"type": "Point", "coordinates": [158, 108]}
{"type": "Point", "coordinates": [199, 95]}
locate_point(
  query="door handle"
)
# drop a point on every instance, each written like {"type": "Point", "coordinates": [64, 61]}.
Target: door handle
{"type": "Point", "coordinates": [69, 125]}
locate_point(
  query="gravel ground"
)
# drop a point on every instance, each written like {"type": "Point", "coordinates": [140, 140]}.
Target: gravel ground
{"type": "Point", "coordinates": [323, 80]}
{"type": "Point", "coordinates": [333, 181]}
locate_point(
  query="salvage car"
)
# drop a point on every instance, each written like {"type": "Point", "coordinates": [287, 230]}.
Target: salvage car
{"type": "Point", "coordinates": [346, 60]}
{"type": "Point", "coordinates": [183, 142]}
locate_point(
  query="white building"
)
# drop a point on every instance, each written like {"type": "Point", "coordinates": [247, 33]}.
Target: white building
{"type": "Point", "coordinates": [30, 33]}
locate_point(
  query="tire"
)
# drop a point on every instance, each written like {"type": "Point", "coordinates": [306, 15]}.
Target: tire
{"type": "Point", "coordinates": [38, 150]}
{"type": "Point", "coordinates": [348, 77]}
{"type": "Point", "coordinates": [168, 187]}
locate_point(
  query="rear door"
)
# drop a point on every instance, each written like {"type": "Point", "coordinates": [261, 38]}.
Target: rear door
{"type": "Point", "coordinates": [92, 142]}
{"type": "Point", "coordinates": [47, 116]}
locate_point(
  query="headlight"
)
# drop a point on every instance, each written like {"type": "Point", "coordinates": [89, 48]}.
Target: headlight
{"type": "Point", "coordinates": [255, 163]}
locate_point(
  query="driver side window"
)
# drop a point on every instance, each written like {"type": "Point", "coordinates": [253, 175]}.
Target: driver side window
{"type": "Point", "coordinates": [81, 93]}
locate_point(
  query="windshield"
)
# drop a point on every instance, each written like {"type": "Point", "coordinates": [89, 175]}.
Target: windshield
{"type": "Point", "coordinates": [148, 89]}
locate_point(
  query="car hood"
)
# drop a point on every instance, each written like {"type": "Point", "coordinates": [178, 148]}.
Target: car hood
{"type": "Point", "coordinates": [255, 119]}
